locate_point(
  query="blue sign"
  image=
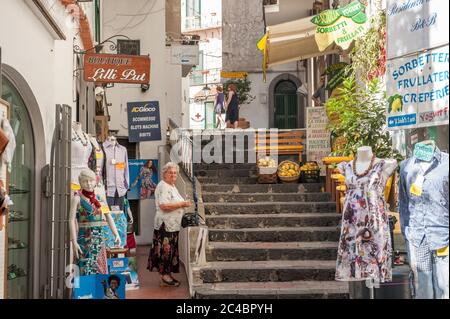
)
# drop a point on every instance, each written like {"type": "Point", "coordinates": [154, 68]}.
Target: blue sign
{"type": "Point", "coordinates": [143, 122]}
{"type": "Point", "coordinates": [100, 287]}
{"type": "Point", "coordinates": [402, 120]}
{"type": "Point", "coordinates": [143, 179]}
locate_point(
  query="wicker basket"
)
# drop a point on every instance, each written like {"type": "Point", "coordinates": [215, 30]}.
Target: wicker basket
{"type": "Point", "coordinates": [310, 176]}
{"type": "Point", "coordinates": [287, 179]}
{"type": "Point", "coordinates": [267, 175]}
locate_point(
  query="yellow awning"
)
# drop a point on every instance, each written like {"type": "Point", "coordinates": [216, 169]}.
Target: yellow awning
{"type": "Point", "coordinates": [293, 41]}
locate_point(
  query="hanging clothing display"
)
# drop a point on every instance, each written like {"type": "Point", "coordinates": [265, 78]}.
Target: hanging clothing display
{"type": "Point", "coordinates": [117, 172]}
{"type": "Point", "coordinates": [120, 220]}
{"type": "Point", "coordinates": [81, 151]}
{"type": "Point", "coordinates": [8, 152]}
{"type": "Point", "coordinates": [365, 250]}
{"type": "Point", "coordinates": [91, 236]}
{"type": "Point", "coordinates": [424, 203]}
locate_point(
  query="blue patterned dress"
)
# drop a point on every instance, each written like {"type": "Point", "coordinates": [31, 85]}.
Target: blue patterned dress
{"type": "Point", "coordinates": [91, 239]}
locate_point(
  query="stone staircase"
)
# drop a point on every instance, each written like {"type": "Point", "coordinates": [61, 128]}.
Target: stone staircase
{"type": "Point", "coordinates": [266, 240]}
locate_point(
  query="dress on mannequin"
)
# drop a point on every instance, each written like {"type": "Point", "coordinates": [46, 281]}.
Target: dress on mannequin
{"type": "Point", "coordinates": [81, 149]}
{"type": "Point", "coordinates": [364, 250]}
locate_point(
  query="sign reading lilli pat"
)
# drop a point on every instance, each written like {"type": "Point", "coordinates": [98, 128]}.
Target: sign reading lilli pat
{"type": "Point", "coordinates": [340, 26]}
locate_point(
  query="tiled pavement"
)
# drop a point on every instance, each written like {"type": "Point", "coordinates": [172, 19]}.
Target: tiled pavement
{"type": "Point", "coordinates": [149, 282]}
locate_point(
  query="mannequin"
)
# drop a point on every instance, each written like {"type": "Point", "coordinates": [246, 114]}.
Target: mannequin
{"type": "Point", "coordinates": [85, 227]}
{"type": "Point", "coordinates": [117, 172]}
{"type": "Point", "coordinates": [98, 159]}
{"type": "Point", "coordinates": [81, 151]}
{"type": "Point", "coordinates": [364, 251]}
{"type": "Point", "coordinates": [423, 206]}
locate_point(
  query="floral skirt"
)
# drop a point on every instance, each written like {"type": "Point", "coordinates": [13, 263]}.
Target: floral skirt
{"type": "Point", "coordinates": [164, 255]}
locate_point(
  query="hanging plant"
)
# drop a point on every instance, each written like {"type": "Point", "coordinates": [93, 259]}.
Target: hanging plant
{"type": "Point", "coordinates": [369, 54]}
{"type": "Point", "coordinates": [362, 118]}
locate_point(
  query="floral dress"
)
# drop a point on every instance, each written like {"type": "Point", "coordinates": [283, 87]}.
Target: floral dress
{"type": "Point", "coordinates": [93, 260]}
{"type": "Point", "coordinates": [147, 185]}
{"type": "Point", "coordinates": [365, 249]}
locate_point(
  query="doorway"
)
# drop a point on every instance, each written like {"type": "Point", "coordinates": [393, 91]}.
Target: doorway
{"type": "Point", "coordinates": [285, 108]}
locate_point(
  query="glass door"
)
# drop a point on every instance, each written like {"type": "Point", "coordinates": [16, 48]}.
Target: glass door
{"type": "Point", "coordinates": [21, 172]}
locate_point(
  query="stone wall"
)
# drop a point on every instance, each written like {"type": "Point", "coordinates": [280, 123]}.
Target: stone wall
{"type": "Point", "coordinates": [243, 27]}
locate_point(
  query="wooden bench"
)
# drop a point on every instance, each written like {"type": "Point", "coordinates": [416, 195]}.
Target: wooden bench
{"type": "Point", "coordinates": [282, 143]}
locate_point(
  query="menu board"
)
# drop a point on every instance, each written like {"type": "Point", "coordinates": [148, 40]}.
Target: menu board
{"type": "Point", "coordinates": [318, 137]}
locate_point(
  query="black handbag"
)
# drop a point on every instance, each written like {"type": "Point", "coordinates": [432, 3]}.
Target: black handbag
{"type": "Point", "coordinates": [190, 220]}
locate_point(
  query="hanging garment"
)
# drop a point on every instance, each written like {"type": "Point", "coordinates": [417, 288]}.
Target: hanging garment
{"type": "Point", "coordinates": [81, 149]}
{"type": "Point", "coordinates": [117, 173]}
{"type": "Point", "coordinates": [91, 238]}
{"type": "Point", "coordinates": [365, 248]}
{"type": "Point", "coordinates": [9, 149]}
{"type": "Point", "coordinates": [121, 225]}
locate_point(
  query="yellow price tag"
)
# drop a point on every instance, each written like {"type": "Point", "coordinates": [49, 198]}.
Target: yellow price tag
{"type": "Point", "coordinates": [120, 166]}
{"type": "Point", "coordinates": [75, 187]}
{"type": "Point", "coordinates": [442, 252]}
{"type": "Point", "coordinates": [416, 190]}
{"type": "Point", "coordinates": [98, 155]}
{"type": "Point", "coordinates": [105, 209]}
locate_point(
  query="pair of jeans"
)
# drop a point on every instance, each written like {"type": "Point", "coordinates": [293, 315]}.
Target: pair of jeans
{"type": "Point", "coordinates": [429, 272]}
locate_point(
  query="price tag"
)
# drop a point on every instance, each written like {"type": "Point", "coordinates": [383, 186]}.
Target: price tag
{"type": "Point", "coordinates": [416, 187]}
{"type": "Point", "coordinates": [105, 209]}
{"type": "Point", "coordinates": [75, 187]}
{"type": "Point", "coordinates": [424, 152]}
{"type": "Point", "coordinates": [113, 161]}
{"type": "Point", "coordinates": [98, 155]}
{"type": "Point", "coordinates": [120, 166]}
{"type": "Point", "coordinates": [442, 252]}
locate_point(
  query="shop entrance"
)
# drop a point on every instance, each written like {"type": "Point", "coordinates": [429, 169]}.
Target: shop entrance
{"type": "Point", "coordinates": [286, 109]}
{"type": "Point", "coordinates": [22, 192]}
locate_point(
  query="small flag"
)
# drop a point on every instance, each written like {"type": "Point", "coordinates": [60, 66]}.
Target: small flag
{"type": "Point", "coordinates": [262, 46]}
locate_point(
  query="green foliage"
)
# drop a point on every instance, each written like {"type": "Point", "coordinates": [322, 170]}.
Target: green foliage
{"type": "Point", "coordinates": [243, 90]}
{"type": "Point", "coordinates": [362, 118]}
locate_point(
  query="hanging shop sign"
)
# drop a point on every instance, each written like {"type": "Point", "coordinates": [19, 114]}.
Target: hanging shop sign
{"type": "Point", "coordinates": [117, 68]}
{"type": "Point", "coordinates": [233, 75]}
{"type": "Point", "coordinates": [318, 143]}
{"type": "Point", "coordinates": [185, 54]}
{"type": "Point", "coordinates": [143, 177]}
{"type": "Point", "coordinates": [143, 122]}
{"type": "Point", "coordinates": [341, 26]}
{"type": "Point", "coordinates": [415, 25]}
{"type": "Point", "coordinates": [418, 90]}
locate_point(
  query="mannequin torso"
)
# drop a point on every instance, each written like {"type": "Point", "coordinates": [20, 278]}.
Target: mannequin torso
{"type": "Point", "coordinates": [81, 150]}
{"type": "Point", "coordinates": [364, 158]}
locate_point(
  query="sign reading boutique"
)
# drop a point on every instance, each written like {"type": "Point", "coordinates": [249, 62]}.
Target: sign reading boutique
{"type": "Point", "coordinates": [117, 68]}
{"type": "Point", "coordinates": [143, 122]}
{"type": "Point", "coordinates": [418, 90]}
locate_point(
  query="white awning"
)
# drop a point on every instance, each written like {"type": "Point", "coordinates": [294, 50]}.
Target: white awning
{"type": "Point", "coordinates": [293, 41]}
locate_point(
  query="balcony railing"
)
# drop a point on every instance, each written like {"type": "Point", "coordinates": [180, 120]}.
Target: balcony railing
{"type": "Point", "coordinates": [202, 22]}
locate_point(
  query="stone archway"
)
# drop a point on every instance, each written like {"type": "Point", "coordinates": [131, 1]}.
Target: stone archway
{"type": "Point", "coordinates": [300, 99]}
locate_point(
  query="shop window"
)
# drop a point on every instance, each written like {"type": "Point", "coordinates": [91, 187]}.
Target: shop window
{"type": "Point", "coordinates": [129, 47]}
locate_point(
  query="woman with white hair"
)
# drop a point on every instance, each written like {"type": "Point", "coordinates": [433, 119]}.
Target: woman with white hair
{"type": "Point", "coordinates": [170, 207]}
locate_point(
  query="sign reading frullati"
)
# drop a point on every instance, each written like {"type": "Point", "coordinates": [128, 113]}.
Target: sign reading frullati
{"type": "Point", "coordinates": [117, 68]}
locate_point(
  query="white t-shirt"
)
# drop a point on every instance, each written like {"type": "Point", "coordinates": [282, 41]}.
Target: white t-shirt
{"type": "Point", "coordinates": [168, 194]}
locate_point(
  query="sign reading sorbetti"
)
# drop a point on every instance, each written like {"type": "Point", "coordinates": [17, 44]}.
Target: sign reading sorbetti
{"type": "Point", "coordinates": [117, 68]}
{"type": "Point", "coordinates": [418, 90]}
{"type": "Point", "coordinates": [143, 122]}
{"type": "Point", "coordinates": [415, 25]}
{"type": "Point", "coordinates": [341, 26]}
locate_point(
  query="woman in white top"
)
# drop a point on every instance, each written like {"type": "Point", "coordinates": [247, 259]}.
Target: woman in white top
{"type": "Point", "coordinates": [170, 207]}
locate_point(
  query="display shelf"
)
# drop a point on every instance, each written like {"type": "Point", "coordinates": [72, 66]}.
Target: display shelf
{"type": "Point", "coordinates": [21, 248]}
{"type": "Point", "coordinates": [16, 191]}
{"type": "Point", "coordinates": [18, 220]}
{"type": "Point", "coordinates": [18, 277]}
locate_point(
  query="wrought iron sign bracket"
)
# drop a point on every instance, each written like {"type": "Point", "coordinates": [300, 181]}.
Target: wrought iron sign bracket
{"type": "Point", "coordinates": [98, 47]}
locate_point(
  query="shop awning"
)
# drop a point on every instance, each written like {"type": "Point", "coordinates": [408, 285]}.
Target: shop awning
{"type": "Point", "coordinates": [293, 41]}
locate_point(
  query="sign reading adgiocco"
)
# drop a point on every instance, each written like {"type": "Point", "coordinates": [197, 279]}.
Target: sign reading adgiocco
{"type": "Point", "coordinates": [114, 68]}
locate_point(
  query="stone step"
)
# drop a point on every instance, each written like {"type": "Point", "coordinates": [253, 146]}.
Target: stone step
{"type": "Point", "coordinates": [274, 290]}
{"type": "Point", "coordinates": [267, 271]}
{"type": "Point", "coordinates": [272, 220]}
{"type": "Point", "coordinates": [225, 166]}
{"type": "Point", "coordinates": [228, 180]}
{"type": "Point", "coordinates": [280, 234]}
{"type": "Point", "coordinates": [271, 197]}
{"type": "Point", "coordinates": [253, 251]}
{"type": "Point", "coordinates": [262, 188]}
{"type": "Point", "coordinates": [216, 173]}
{"type": "Point", "coordinates": [269, 208]}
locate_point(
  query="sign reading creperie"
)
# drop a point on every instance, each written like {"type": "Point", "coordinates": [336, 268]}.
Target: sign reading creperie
{"type": "Point", "coordinates": [115, 68]}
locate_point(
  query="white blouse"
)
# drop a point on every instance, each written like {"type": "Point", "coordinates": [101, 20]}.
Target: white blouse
{"type": "Point", "coordinates": [168, 194]}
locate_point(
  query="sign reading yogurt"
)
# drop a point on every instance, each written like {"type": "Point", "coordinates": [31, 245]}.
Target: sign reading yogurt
{"type": "Point", "coordinates": [143, 122]}
{"type": "Point", "coordinates": [418, 90]}
{"type": "Point", "coordinates": [318, 137]}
